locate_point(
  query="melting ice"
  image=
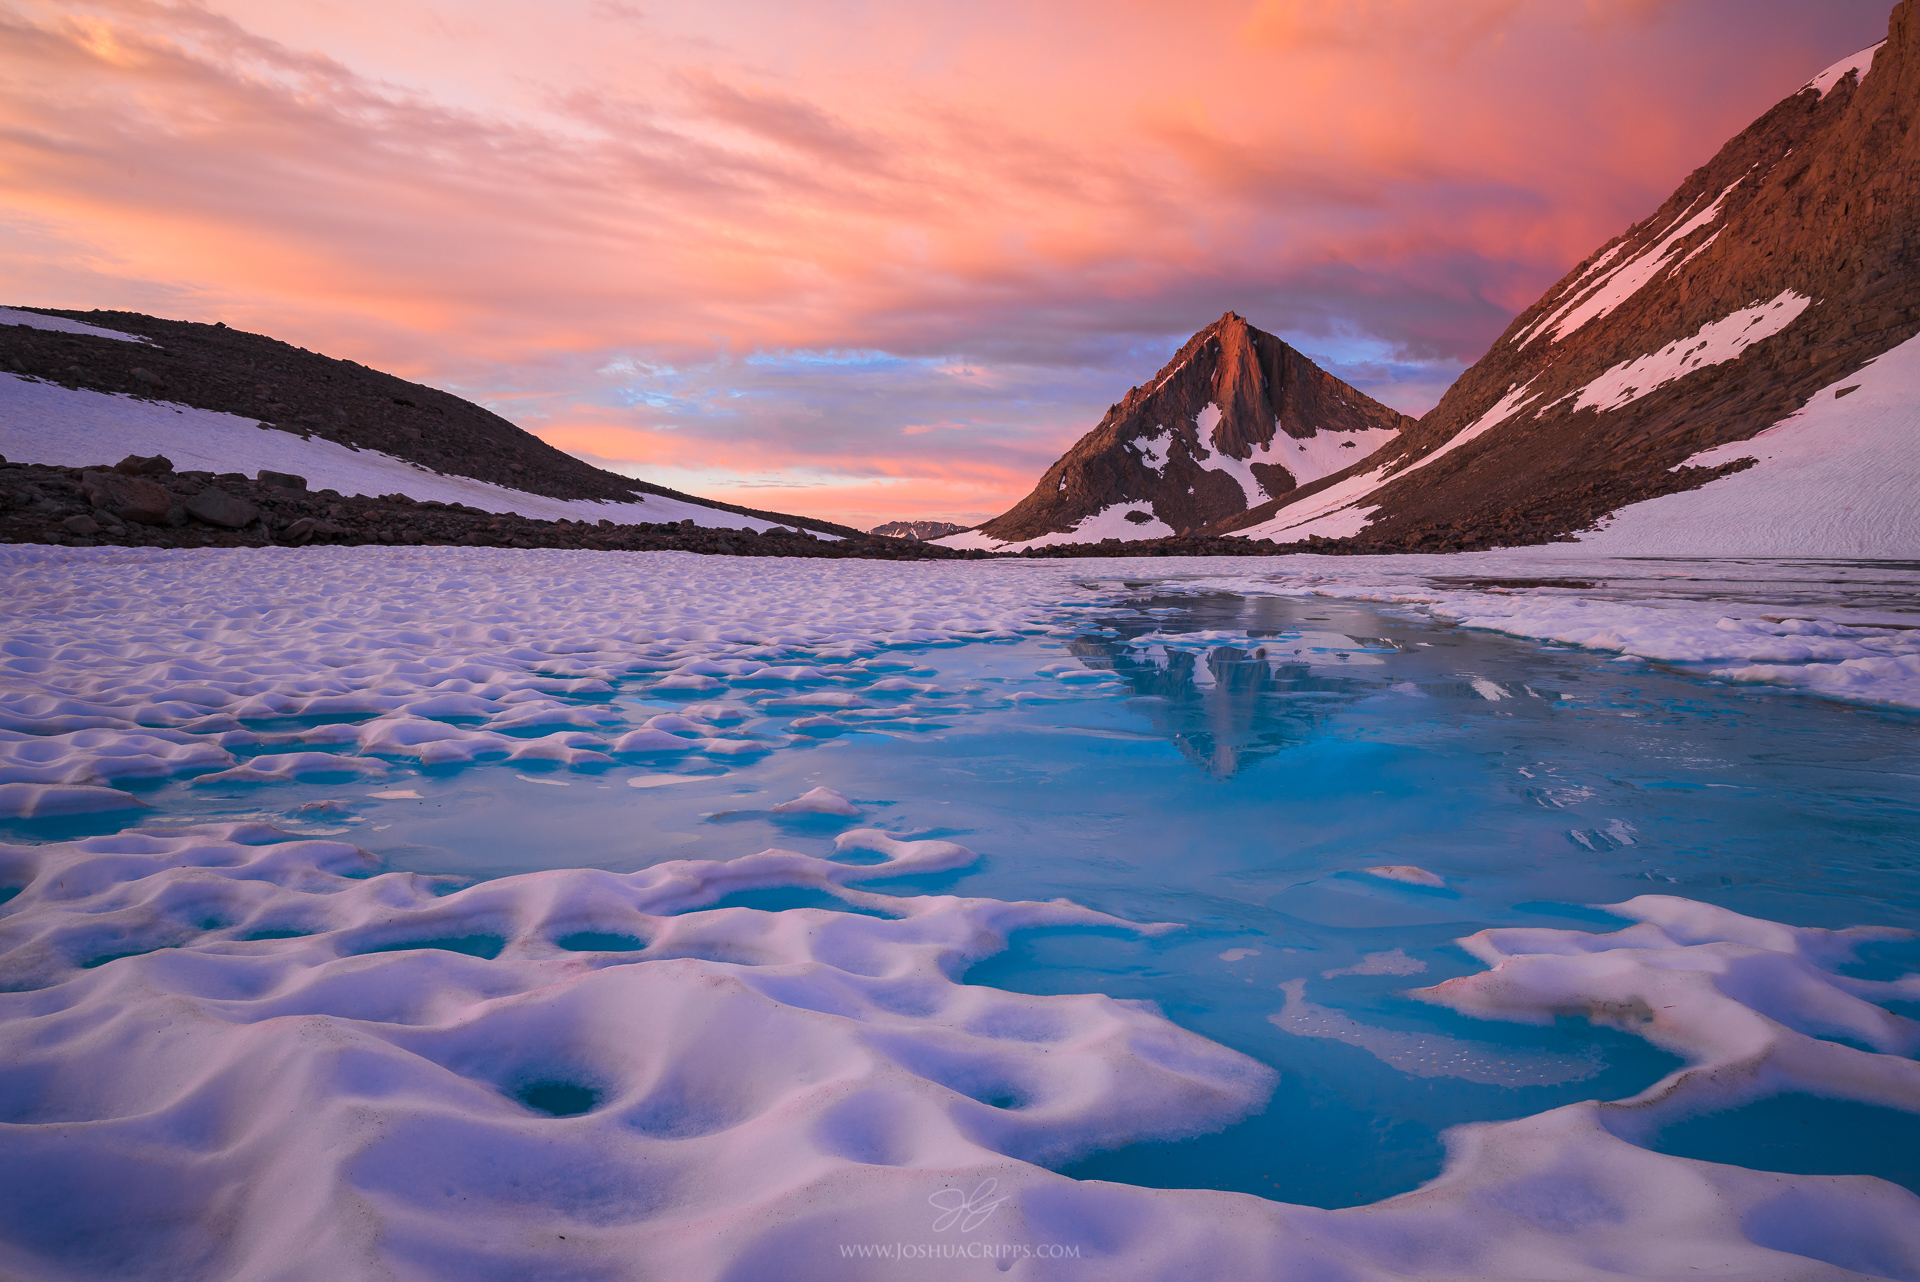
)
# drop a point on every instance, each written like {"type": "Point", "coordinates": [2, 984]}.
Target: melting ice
{"type": "Point", "coordinates": [595, 915]}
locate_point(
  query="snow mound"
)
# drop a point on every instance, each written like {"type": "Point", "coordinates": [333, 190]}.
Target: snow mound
{"type": "Point", "coordinates": [1751, 1005]}
{"type": "Point", "coordinates": [818, 801]}
{"type": "Point", "coordinates": [566, 1072]}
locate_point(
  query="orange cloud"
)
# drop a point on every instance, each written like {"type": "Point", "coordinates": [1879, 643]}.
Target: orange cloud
{"type": "Point", "coordinates": [600, 220]}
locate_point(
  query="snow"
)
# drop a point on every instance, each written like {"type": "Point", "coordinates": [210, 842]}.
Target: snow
{"type": "Point", "coordinates": [1807, 625]}
{"type": "Point", "coordinates": [1325, 453]}
{"type": "Point", "coordinates": [1837, 478]}
{"type": "Point", "coordinates": [1499, 412]}
{"type": "Point", "coordinates": [61, 325]}
{"type": "Point", "coordinates": [68, 427]}
{"type": "Point", "coordinates": [1624, 281]}
{"type": "Point", "coordinates": [1713, 344]}
{"type": "Point", "coordinates": [286, 1062]}
{"type": "Point", "coordinates": [818, 801]}
{"type": "Point", "coordinates": [1334, 513]}
{"type": "Point", "coordinates": [1678, 979]}
{"type": "Point", "coordinates": [1154, 449]}
{"type": "Point", "coordinates": [1108, 523]}
{"type": "Point", "coordinates": [1861, 62]}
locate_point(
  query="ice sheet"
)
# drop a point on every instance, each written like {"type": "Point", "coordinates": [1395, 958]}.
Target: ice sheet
{"type": "Point", "coordinates": [1830, 627]}
{"type": "Point", "coordinates": [290, 1065]}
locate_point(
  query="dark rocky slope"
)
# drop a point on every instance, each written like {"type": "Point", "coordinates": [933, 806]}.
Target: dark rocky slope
{"type": "Point", "coordinates": [1818, 199]}
{"type": "Point", "coordinates": [216, 368]}
{"type": "Point", "coordinates": [1161, 454]}
{"type": "Point", "coordinates": [143, 502]}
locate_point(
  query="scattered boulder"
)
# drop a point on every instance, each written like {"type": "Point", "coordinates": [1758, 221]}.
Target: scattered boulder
{"type": "Point", "coordinates": [81, 525]}
{"type": "Point", "coordinates": [135, 465]}
{"type": "Point", "coordinates": [217, 507]}
{"type": "Point", "coordinates": [283, 480]}
{"type": "Point", "coordinates": [148, 377]}
{"type": "Point", "coordinates": [131, 497]}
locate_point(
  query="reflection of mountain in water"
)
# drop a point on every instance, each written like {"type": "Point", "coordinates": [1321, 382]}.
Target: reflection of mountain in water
{"type": "Point", "coordinates": [1224, 708]}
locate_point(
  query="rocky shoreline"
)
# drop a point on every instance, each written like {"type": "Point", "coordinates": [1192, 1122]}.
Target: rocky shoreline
{"type": "Point", "coordinates": [143, 502]}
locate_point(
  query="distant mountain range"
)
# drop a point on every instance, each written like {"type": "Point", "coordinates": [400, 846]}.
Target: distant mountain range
{"type": "Point", "coordinates": [919, 530]}
{"type": "Point", "coordinates": [1628, 398]}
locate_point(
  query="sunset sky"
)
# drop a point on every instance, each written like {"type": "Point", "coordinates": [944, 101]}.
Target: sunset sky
{"type": "Point", "coordinates": [851, 260]}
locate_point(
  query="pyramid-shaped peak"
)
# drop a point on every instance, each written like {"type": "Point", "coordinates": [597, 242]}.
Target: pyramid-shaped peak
{"type": "Point", "coordinates": [1235, 418]}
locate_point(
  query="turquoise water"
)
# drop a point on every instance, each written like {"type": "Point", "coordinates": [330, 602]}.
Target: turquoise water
{"type": "Point", "coordinates": [1239, 786]}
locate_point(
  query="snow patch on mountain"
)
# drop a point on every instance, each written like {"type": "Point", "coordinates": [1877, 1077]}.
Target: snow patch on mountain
{"type": "Point", "coordinates": [61, 325]}
{"type": "Point", "coordinates": [1154, 450]}
{"type": "Point", "coordinates": [1835, 478]}
{"type": "Point", "coordinates": [1861, 62]}
{"type": "Point", "coordinates": [1115, 522]}
{"type": "Point", "coordinates": [1713, 344]}
{"type": "Point", "coordinates": [1502, 410]}
{"type": "Point", "coordinates": [1626, 280]}
{"type": "Point", "coordinates": [1330, 514]}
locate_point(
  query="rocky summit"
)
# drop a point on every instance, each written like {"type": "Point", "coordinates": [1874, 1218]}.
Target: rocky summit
{"type": "Point", "coordinates": [1234, 419]}
{"type": "Point", "coordinates": [1767, 281]}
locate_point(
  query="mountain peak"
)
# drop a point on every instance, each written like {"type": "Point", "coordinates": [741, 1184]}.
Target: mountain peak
{"type": "Point", "coordinates": [1235, 418]}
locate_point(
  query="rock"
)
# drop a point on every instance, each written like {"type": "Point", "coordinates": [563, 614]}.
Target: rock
{"type": "Point", "coordinates": [148, 377]}
{"type": "Point", "coordinates": [308, 527]}
{"type": "Point", "coordinates": [283, 480]}
{"type": "Point", "coordinates": [81, 525]}
{"type": "Point", "coordinates": [135, 465]}
{"type": "Point", "coordinates": [217, 507]}
{"type": "Point", "coordinates": [131, 497]}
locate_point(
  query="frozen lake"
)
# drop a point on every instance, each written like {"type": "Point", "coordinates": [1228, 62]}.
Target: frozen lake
{"type": "Point", "coordinates": [1309, 781]}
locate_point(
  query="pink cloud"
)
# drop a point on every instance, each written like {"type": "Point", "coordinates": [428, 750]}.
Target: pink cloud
{"type": "Point", "coordinates": [1022, 208]}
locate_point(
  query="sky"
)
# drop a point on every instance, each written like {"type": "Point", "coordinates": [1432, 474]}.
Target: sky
{"type": "Point", "coordinates": [855, 260]}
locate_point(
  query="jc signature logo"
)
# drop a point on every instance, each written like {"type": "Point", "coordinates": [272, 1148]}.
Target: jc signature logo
{"type": "Point", "coordinates": [967, 1210]}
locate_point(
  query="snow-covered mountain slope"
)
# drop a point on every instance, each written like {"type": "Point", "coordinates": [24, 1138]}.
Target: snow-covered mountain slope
{"type": "Point", "coordinates": [1236, 417]}
{"type": "Point", "coordinates": [340, 424]}
{"type": "Point", "coordinates": [76, 427]}
{"type": "Point", "coordinates": [1725, 328]}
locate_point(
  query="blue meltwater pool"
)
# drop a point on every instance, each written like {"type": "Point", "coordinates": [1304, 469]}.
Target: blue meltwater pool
{"type": "Point", "coordinates": [1237, 766]}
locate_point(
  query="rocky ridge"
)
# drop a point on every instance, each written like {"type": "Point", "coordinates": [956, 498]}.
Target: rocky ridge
{"type": "Point", "coordinates": [1775, 271]}
{"type": "Point", "coordinates": [294, 390]}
